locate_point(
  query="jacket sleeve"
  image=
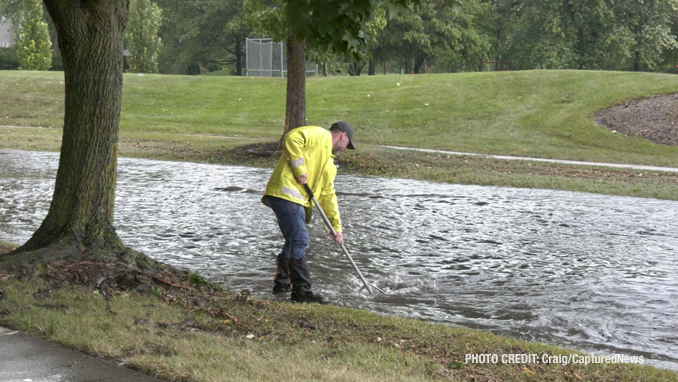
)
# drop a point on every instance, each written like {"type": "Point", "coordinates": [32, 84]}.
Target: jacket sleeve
{"type": "Point", "coordinates": [328, 197]}
{"type": "Point", "coordinates": [294, 144]}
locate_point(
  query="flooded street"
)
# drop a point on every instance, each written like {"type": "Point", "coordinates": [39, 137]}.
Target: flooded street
{"type": "Point", "coordinates": [592, 272]}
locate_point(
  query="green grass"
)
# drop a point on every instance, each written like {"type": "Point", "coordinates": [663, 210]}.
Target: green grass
{"type": "Point", "coordinates": [545, 114]}
{"type": "Point", "coordinates": [264, 341]}
{"type": "Point", "coordinates": [532, 113]}
{"type": "Point", "coordinates": [373, 160]}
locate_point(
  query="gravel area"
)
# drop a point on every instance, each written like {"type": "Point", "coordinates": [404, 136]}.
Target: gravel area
{"type": "Point", "coordinates": [654, 118]}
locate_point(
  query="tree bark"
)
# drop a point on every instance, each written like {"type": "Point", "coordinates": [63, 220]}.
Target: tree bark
{"type": "Point", "coordinates": [409, 64]}
{"type": "Point", "coordinates": [80, 218]}
{"type": "Point", "coordinates": [295, 110]}
{"type": "Point", "coordinates": [354, 69]}
{"type": "Point", "coordinates": [372, 68]}
{"type": "Point", "coordinates": [419, 61]}
{"type": "Point", "coordinates": [238, 57]}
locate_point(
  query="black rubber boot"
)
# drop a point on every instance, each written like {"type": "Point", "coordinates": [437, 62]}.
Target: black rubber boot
{"type": "Point", "coordinates": [281, 281]}
{"type": "Point", "coordinates": [300, 276]}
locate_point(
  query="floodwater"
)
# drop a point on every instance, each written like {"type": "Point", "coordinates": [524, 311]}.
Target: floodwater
{"type": "Point", "coordinates": [592, 272]}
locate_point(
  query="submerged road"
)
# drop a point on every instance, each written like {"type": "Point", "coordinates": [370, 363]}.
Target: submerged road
{"type": "Point", "coordinates": [586, 271]}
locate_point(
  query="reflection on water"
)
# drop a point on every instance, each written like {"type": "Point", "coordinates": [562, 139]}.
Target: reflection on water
{"type": "Point", "coordinates": [592, 272]}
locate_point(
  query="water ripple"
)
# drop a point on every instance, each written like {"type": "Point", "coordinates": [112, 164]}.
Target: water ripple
{"type": "Point", "coordinates": [586, 271]}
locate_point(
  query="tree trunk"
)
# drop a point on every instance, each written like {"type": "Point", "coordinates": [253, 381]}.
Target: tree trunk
{"type": "Point", "coordinates": [419, 62]}
{"type": "Point", "coordinates": [354, 69]}
{"type": "Point", "coordinates": [295, 111]}
{"type": "Point", "coordinates": [409, 64]}
{"type": "Point", "coordinates": [80, 218]}
{"type": "Point", "coordinates": [372, 68]}
{"type": "Point", "coordinates": [417, 67]}
{"type": "Point", "coordinates": [238, 57]}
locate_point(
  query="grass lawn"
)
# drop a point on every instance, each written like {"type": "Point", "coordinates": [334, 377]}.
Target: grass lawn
{"type": "Point", "coordinates": [192, 332]}
{"type": "Point", "coordinates": [546, 114]}
{"type": "Point", "coordinates": [217, 119]}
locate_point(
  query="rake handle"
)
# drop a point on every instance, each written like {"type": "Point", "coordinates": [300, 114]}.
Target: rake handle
{"type": "Point", "coordinates": [343, 247]}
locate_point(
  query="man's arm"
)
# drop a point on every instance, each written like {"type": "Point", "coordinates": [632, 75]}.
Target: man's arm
{"type": "Point", "coordinates": [293, 144]}
{"type": "Point", "coordinates": [328, 202]}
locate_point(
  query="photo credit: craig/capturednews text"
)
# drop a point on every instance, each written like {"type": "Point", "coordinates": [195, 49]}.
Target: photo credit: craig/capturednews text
{"type": "Point", "coordinates": [564, 359]}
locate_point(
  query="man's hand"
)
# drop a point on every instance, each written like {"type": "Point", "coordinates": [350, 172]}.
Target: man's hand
{"type": "Point", "coordinates": [339, 239]}
{"type": "Point", "coordinates": [302, 178]}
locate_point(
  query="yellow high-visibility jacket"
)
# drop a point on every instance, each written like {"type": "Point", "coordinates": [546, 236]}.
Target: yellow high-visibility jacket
{"type": "Point", "coordinates": [307, 150]}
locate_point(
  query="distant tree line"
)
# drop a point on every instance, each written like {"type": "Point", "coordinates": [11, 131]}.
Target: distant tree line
{"type": "Point", "coordinates": [194, 37]}
{"type": "Point", "coordinates": [636, 35]}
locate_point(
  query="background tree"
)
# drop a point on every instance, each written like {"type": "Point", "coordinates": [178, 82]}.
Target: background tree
{"type": "Point", "coordinates": [79, 223]}
{"type": "Point", "coordinates": [406, 34]}
{"type": "Point", "coordinates": [145, 19]}
{"type": "Point", "coordinates": [586, 34]}
{"type": "Point", "coordinates": [451, 38]}
{"type": "Point", "coordinates": [33, 45]}
{"type": "Point", "coordinates": [463, 38]}
{"type": "Point", "coordinates": [374, 26]}
{"type": "Point", "coordinates": [202, 35]}
{"type": "Point", "coordinates": [337, 26]}
{"type": "Point", "coordinates": [274, 18]}
{"type": "Point", "coordinates": [650, 25]}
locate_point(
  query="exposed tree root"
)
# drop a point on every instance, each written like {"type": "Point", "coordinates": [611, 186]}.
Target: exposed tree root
{"type": "Point", "coordinates": [25, 256]}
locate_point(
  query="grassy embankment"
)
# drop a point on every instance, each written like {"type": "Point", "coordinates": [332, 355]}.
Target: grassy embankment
{"type": "Point", "coordinates": [546, 114]}
{"type": "Point", "coordinates": [189, 333]}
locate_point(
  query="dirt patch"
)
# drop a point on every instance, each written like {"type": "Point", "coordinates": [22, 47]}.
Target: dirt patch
{"type": "Point", "coordinates": [257, 149]}
{"type": "Point", "coordinates": [654, 118]}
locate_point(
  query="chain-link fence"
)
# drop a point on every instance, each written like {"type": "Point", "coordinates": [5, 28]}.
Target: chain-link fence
{"type": "Point", "coordinates": [265, 58]}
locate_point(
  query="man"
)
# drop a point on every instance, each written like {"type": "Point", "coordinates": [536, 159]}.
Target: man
{"type": "Point", "coordinates": [308, 158]}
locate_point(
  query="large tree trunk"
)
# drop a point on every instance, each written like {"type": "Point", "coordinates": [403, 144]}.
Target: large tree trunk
{"type": "Point", "coordinates": [80, 219]}
{"type": "Point", "coordinates": [295, 111]}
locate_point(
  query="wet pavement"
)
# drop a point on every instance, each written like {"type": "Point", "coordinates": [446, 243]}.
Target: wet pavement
{"type": "Point", "coordinates": [24, 358]}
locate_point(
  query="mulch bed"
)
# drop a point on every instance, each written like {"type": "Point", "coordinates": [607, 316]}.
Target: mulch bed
{"type": "Point", "coordinates": [654, 118]}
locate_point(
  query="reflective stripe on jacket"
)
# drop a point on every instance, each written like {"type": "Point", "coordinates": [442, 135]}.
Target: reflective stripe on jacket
{"type": "Point", "coordinates": [307, 150]}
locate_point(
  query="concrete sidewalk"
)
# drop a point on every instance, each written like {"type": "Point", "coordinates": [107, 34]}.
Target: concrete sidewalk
{"type": "Point", "coordinates": [24, 358]}
{"type": "Point", "coordinates": [528, 159]}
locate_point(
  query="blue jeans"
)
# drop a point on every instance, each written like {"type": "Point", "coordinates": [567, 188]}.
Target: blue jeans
{"type": "Point", "coordinates": [292, 222]}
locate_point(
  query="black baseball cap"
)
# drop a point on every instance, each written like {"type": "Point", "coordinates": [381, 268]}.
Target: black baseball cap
{"type": "Point", "coordinates": [346, 128]}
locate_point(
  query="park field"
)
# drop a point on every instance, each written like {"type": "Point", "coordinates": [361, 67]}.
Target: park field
{"type": "Point", "coordinates": [543, 114]}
